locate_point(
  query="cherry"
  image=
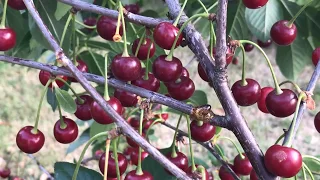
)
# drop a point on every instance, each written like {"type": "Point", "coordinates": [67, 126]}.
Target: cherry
{"type": "Point", "coordinates": [133, 8]}
{"type": "Point", "coordinates": [202, 133]}
{"type": "Point", "coordinates": [83, 111]}
{"type": "Point", "coordinates": [282, 34]}
{"type": "Point", "coordinates": [132, 175]}
{"type": "Point", "coordinates": [253, 175]}
{"type": "Point", "coordinates": [181, 160]}
{"type": "Point", "coordinates": [134, 156]}
{"type": "Point", "coordinates": [7, 39]}
{"type": "Point", "coordinates": [264, 44]}
{"type": "Point", "coordinates": [102, 117]}
{"type": "Point", "coordinates": [181, 89]}
{"type": "Point", "coordinates": [28, 141]}
{"type": "Point", "coordinates": [90, 21]}
{"type": "Point", "coordinates": [122, 163]}
{"type": "Point", "coordinates": [128, 150]}
{"type": "Point", "coordinates": [248, 94]}
{"type": "Point", "coordinates": [17, 4]}
{"type": "Point", "coordinates": [106, 27]}
{"type": "Point", "coordinates": [132, 143]}
{"type": "Point", "coordinates": [224, 173]}
{"type": "Point", "coordinates": [185, 72]}
{"type": "Point", "coordinates": [317, 122]}
{"type": "Point", "coordinates": [262, 100]}
{"type": "Point", "coordinates": [202, 73]}
{"type": "Point", "coordinates": [68, 134]}
{"type": "Point", "coordinates": [144, 48]}
{"type": "Point", "coordinates": [248, 47]}
{"type": "Point", "coordinates": [229, 54]}
{"type": "Point", "coordinates": [196, 175]}
{"type": "Point", "coordinates": [82, 67]}
{"type": "Point", "coordinates": [283, 161]}
{"type": "Point", "coordinates": [165, 70]}
{"type": "Point", "coordinates": [242, 166]}
{"type": "Point", "coordinates": [134, 122]}
{"type": "Point", "coordinates": [44, 77]}
{"type": "Point", "coordinates": [316, 56]}
{"type": "Point", "coordinates": [164, 116]}
{"type": "Point", "coordinates": [4, 173]}
{"type": "Point", "coordinates": [127, 99]}
{"type": "Point", "coordinates": [146, 124]}
{"type": "Point", "coordinates": [235, 61]}
{"type": "Point", "coordinates": [254, 4]}
{"type": "Point", "coordinates": [151, 84]}
{"type": "Point", "coordinates": [98, 153]}
{"type": "Point", "coordinates": [281, 105]}
{"type": "Point", "coordinates": [126, 68]}
{"type": "Point", "coordinates": [164, 35]}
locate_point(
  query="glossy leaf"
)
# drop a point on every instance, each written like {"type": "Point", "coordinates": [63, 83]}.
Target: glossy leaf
{"type": "Point", "coordinates": [198, 98]}
{"type": "Point", "coordinates": [84, 137]}
{"type": "Point", "coordinates": [97, 128]}
{"type": "Point", "coordinates": [312, 164]}
{"type": "Point", "coordinates": [64, 171]}
{"type": "Point", "coordinates": [65, 100]}
{"type": "Point", "coordinates": [236, 22]}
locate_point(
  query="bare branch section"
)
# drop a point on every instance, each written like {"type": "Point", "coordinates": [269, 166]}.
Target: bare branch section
{"type": "Point", "coordinates": [127, 130]}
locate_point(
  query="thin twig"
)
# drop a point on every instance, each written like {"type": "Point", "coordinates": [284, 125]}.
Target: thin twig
{"type": "Point", "coordinates": [41, 167]}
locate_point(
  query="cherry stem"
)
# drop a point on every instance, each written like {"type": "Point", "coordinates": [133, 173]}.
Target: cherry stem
{"type": "Point", "coordinates": [141, 40]}
{"type": "Point", "coordinates": [74, 39]}
{"type": "Point", "coordinates": [173, 144]}
{"type": "Point", "coordinates": [203, 6]}
{"type": "Point", "coordinates": [193, 166]}
{"type": "Point", "coordinates": [84, 25]}
{"type": "Point", "coordinates": [308, 170]}
{"type": "Point", "coordinates": [44, 91]}
{"type": "Point", "coordinates": [220, 152]}
{"type": "Point", "coordinates": [202, 170]}
{"type": "Point", "coordinates": [106, 90]}
{"type": "Point", "coordinates": [132, 112]}
{"type": "Point", "coordinates": [304, 173]}
{"type": "Point", "coordinates": [243, 77]}
{"type": "Point", "coordinates": [79, 100]}
{"type": "Point", "coordinates": [115, 154]}
{"type": "Point", "coordinates": [63, 125]}
{"type": "Point", "coordinates": [159, 120]}
{"type": "Point", "coordinates": [213, 39]}
{"type": "Point", "coordinates": [290, 136]}
{"type": "Point", "coordinates": [279, 139]}
{"type": "Point", "coordinates": [180, 13]}
{"type": "Point", "coordinates": [117, 36]}
{"type": "Point", "coordinates": [211, 7]}
{"type": "Point", "coordinates": [277, 87]}
{"type": "Point", "coordinates": [3, 20]}
{"type": "Point", "coordinates": [235, 145]}
{"type": "Point", "coordinates": [125, 48]}
{"type": "Point", "coordinates": [298, 89]}
{"type": "Point", "coordinates": [96, 61]}
{"type": "Point", "coordinates": [289, 24]}
{"type": "Point", "coordinates": [95, 137]}
{"type": "Point", "coordinates": [146, 77]}
{"type": "Point", "coordinates": [65, 29]}
{"type": "Point", "coordinates": [139, 169]}
{"type": "Point", "coordinates": [170, 55]}
{"type": "Point", "coordinates": [311, 157]}
{"type": "Point", "coordinates": [106, 159]}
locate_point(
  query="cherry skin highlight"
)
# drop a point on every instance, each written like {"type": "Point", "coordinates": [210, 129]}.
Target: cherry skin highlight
{"type": "Point", "coordinates": [242, 166]}
{"type": "Point", "coordinates": [282, 34]}
{"type": "Point", "coordinates": [7, 38]}
{"type": "Point", "coordinates": [83, 111]}
{"type": "Point", "coordinates": [202, 133]}
{"type": "Point", "coordinates": [68, 134]}
{"type": "Point", "coordinates": [165, 70]}
{"type": "Point", "coordinates": [127, 99]}
{"type": "Point", "coordinates": [254, 4]}
{"type": "Point", "coordinates": [112, 172]}
{"type": "Point", "coordinates": [282, 105]}
{"type": "Point", "coordinates": [316, 56]}
{"type": "Point", "coordinates": [164, 35]}
{"type": "Point", "coordinates": [317, 122]}
{"type": "Point", "coordinates": [185, 72]}
{"type": "Point", "coordinates": [248, 47]}
{"type": "Point", "coordinates": [106, 27]}
{"type": "Point", "coordinates": [181, 89]}
{"type": "Point", "coordinates": [248, 94]}
{"type": "Point", "coordinates": [126, 68]}
{"type": "Point", "coordinates": [264, 44]}
{"type": "Point", "coordinates": [100, 116]}
{"type": "Point", "coordinates": [29, 142]}
{"type": "Point", "coordinates": [262, 100]}
{"type": "Point", "coordinates": [144, 48]}
{"type": "Point", "coordinates": [134, 156]}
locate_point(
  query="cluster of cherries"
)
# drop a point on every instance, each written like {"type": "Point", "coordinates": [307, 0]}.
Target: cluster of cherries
{"type": "Point", "coordinates": [5, 173]}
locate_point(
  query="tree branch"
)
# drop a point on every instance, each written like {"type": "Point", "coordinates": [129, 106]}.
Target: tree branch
{"type": "Point", "coordinates": [41, 167]}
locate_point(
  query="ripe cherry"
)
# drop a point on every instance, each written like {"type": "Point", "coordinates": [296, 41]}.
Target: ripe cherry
{"type": "Point", "coordinates": [164, 116]}
{"type": "Point", "coordinates": [106, 27]}
{"type": "Point", "coordinates": [185, 72]}
{"type": "Point", "coordinates": [248, 47]}
{"type": "Point", "coordinates": [29, 141]}
{"type": "Point", "coordinates": [83, 111]}
{"type": "Point", "coordinates": [17, 4]}
{"type": "Point", "coordinates": [7, 39]}
{"type": "Point", "coordinates": [134, 156]}
{"type": "Point", "coordinates": [196, 174]}
{"type": "Point", "coordinates": [68, 134]}
{"type": "Point", "coordinates": [283, 161]}
{"type": "Point", "coordinates": [127, 99]}
{"type": "Point", "coordinates": [253, 175]}
{"type": "Point", "coordinates": [181, 160]}
{"type": "Point", "coordinates": [281, 105]}
{"type": "Point", "coordinates": [316, 56]}
{"type": "Point", "coordinates": [127, 151]}
{"type": "Point", "coordinates": [146, 124]}
{"type": "Point", "coordinates": [262, 100]}
{"type": "Point", "coordinates": [166, 70]}
{"type": "Point", "coordinates": [144, 48]}
{"type": "Point", "coordinates": [132, 143]}
{"type": "Point", "coordinates": [283, 34]}
{"type": "Point", "coordinates": [151, 84]}
{"type": "Point", "coordinates": [164, 35]}
{"type": "Point", "coordinates": [102, 117]}
{"type": "Point", "coordinates": [122, 163]}
{"type": "Point", "coordinates": [181, 89]}
{"type": "Point", "coordinates": [90, 21]}
{"type": "Point", "coordinates": [4, 173]}
{"type": "Point", "coordinates": [126, 68]}
{"type": "Point", "coordinates": [224, 173]}
{"type": "Point", "coordinates": [44, 77]}
{"type": "Point", "coordinates": [98, 153]}
{"type": "Point", "coordinates": [82, 67]}
{"type": "Point", "coordinates": [132, 175]}
{"type": "Point", "coordinates": [133, 8]}
{"type": "Point", "coordinates": [317, 122]}
{"type": "Point", "coordinates": [203, 132]}
{"type": "Point", "coordinates": [248, 94]}
{"type": "Point", "coordinates": [264, 44]}
{"type": "Point", "coordinates": [242, 166]}
{"type": "Point", "coordinates": [254, 4]}
{"type": "Point", "coordinates": [134, 122]}
{"type": "Point", "coordinates": [229, 54]}
{"type": "Point", "coordinates": [202, 73]}
{"type": "Point", "coordinates": [235, 61]}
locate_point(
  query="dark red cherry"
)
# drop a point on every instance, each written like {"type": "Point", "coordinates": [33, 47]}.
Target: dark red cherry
{"type": "Point", "coordinates": [282, 34]}
{"type": "Point", "coordinates": [254, 4]}
{"type": "Point", "coordinates": [68, 134]}
{"type": "Point", "coordinates": [262, 100]}
{"type": "Point", "coordinates": [106, 27]}
{"type": "Point", "coordinates": [82, 67]}
{"type": "Point", "coordinates": [242, 166]}
{"type": "Point", "coordinates": [248, 94]}
{"type": "Point", "coordinates": [134, 156]}
{"type": "Point", "coordinates": [28, 141]}
{"type": "Point", "coordinates": [102, 117]}
{"type": "Point", "coordinates": [264, 44]}
{"type": "Point", "coordinates": [181, 89]}
{"type": "Point", "coordinates": [229, 55]}
{"type": "Point", "coordinates": [133, 8]}
{"type": "Point", "coordinates": [132, 175]}
{"type": "Point", "coordinates": [185, 72]}
{"type": "Point", "coordinates": [126, 68]}
{"type": "Point", "coordinates": [248, 47]}
{"type": "Point", "coordinates": [283, 161]}
{"type": "Point", "coordinates": [127, 99]}
{"type": "Point", "coordinates": [151, 84]}
{"type": "Point", "coordinates": [202, 73]}
{"type": "Point", "coordinates": [112, 173]}
{"type": "Point", "coordinates": [44, 77]}
{"type": "Point", "coordinates": [134, 122]}
{"type": "Point", "coordinates": [164, 116]}
{"type": "Point", "coordinates": [202, 133]}
{"type": "Point", "coordinates": [144, 48]}
{"type": "Point", "coordinates": [282, 105]}
{"type": "Point", "coordinates": [83, 111]}
{"type": "Point", "coordinates": [132, 143]}
{"type": "Point", "coordinates": [224, 173]}
{"type": "Point", "coordinates": [166, 70]}
{"type": "Point", "coordinates": [253, 175]}
{"type": "Point", "coordinates": [146, 124]}
{"type": "Point", "coordinates": [196, 174]}
{"type": "Point", "coordinates": [317, 122]}
{"type": "Point", "coordinates": [90, 21]}
{"type": "Point", "coordinates": [316, 56]}
{"type": "Point", "coordinates": [7, 39]}
{"type": "Point", "coordinates": [128, 150]}
{"type": "Point", "coordinates": [5, 172]}
{"type": "Point", "coordinates": [181, 160]}
{"type": "Point", "coordinates": [235, 61]}
{"type": "Point", "coordinates": [17, 4]}
{"type": "Point", "coordinates": [164, 35]}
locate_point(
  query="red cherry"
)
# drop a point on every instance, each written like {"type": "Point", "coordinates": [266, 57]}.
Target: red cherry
{"type": "Point", "coordinates": [185, 72]}
{"type": "Point", "coordinates": [283, 161]}
{"type": "Point", "coordinates": [235, 61]}
{"type": "Point", "coordinates": [224, 173]}
{"type": "Point", "coordinates": [134, 156]}
{"type": "Point", "coordinates": [68, 134]}
{"type": "Point", "coordinates": [83, 111]}
{"type": "Point", "coordinates": [242, 166]}
{"type": "Point", "coordinates": [106, 27]}
{"type": "Point", "coordinates": [7, 39]}
{"type": "Point", "coordinates": [229, 54]}
{"type": "Point", "coordinates": [127, 99]}
{"type": "Point", "coordinates": [264, 44]}
{"type": "Point", "coordinates": [146, 124]}
{"type": "Point", "coordinates": [282, 105]}
{"type": "Point", "coordinates": [248, 94]}
{"type": "Point", "coordinates": [133, 8]}
{"type": "Point", "coordinates": [132, 143]}
{"type": "Point", "coordinates": [98, 153]}
{"type": "Point", "coordinates": [4, 173]}
{"type": "Point", "coordinates": [196, 175]}
{"type": "Point", "coordinates": [254, 4]}
{"type": "Point", "coordinates": [181, 160]}
{"type": "Point", "coordinates": [132, 175]}
{"type": "Point", "coordinates": [28, 141]}
{"type": "Point", "coordinates": [90, 21]}
{"type": "Point", "coordinates": [316, 56]}
{"type": "Point", "coordinates": [248, 47]}
{"type": "Point", "coordinates": [17, 4]}
{"type": "Point", "coordinates": [134, 122]}
{"type": "Point", "coordinates": [126, 68]}
{"type": "Point", "coordinates": [164, 116]}
{"type": "Point", "coordinates": [202, 133]}
{"type": "Point", "coordinates": [165, 70]}
{"type": "Point", "coordinates": [202, 73]}
{"type": "Point", "coordinates": [44, 77]}
{"type": "Point", "coordinates": [128, 150]}
{"type": "Point", "coordinates": [82, 67]}
{"type": "Point", "coordinates": [282, 34]}
{"type": "Point", "coordinates": [181, 89]}
{"type": "Point", "coordinates": [102, 117]}
{"type": "Point", "coordinates": [112, 173]}
{"type": "Point", "coordinates": [262, 100]}
{"type": "Point", "coordinates": [317, 122]}
{"type": "Point", "coordinates": [144, 48]}
{"type": "Point", "coordinates": [151, 84]}
{"type": "Point", "coordinates": [253, 175]}
{"type": "Point", "coordinates": [164, 35]}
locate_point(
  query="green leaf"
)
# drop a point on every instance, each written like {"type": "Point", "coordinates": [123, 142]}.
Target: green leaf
{"type": "Point", "coordinates": [261, 20]}
{"type": "Point", "coordinates": [97, 128]}
{"type": "Point", "coordinates": [64, 171]}
{"type": "Point", "coordinates": [66, 101]}
{"type": "Point", "coordinates": [51, 98]}
{"type": "Point", "coordinates": [84, 137]}
{"type": "Point", "coordinates": [199, 162]}
{"type": "Point", "coordinates": [62, 9]}
{"type": "Point", "coordinates": [236, 26]}
{"type": "Point", "coordinates": [313, 165]}
{"type": "Point", "coordinates": [95, 62]}
{"type": "Point", "coordinates": [314, 4]}
{"type": "Point", "coordinates": [198, 98]}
